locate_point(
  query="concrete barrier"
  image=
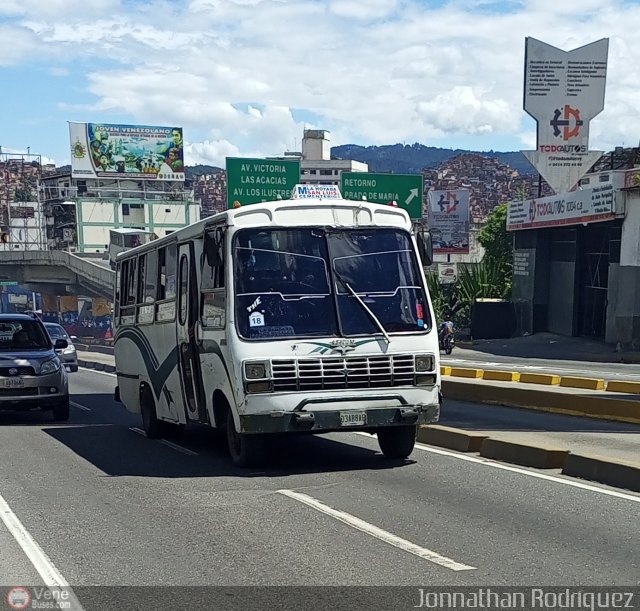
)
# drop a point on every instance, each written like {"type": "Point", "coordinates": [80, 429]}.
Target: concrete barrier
{"type": "Point", "coordinates": [606, 471]}
{"type": "Point", "coordinates": [451, 438]}
{"type": "Point", "coordinates": [584, 383]}
{"type": "Point", "coordinates": [621, 386]}
{"type": "Point", "coordinates": [523, 454]}
{"type": "Point", "coordinates": [540, 378]}
{"type": "Point", "coordinates": [461, 372]}
{"type": "Point", "coordinates": [501, 376]}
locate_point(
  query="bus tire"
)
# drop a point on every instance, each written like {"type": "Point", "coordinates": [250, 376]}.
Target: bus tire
{"type": "Point", "coordinates": [397, 441]}
{"type": "Point", "coordinates": [152, 426]}
{"type": "Point", "coordinates": [245, 450]}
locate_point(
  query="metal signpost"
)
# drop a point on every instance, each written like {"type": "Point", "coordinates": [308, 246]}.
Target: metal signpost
{"type": "Point", "coordinates": [250, 181]}
{"type": "Point", "coordinates": [404, 189]}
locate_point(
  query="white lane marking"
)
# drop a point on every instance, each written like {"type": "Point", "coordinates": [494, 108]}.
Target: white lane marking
{"type": "Point", "coordinates": [41, 562]}
{"type": "Point", "coordinates": [497, 465]}
{"type": "Point", "coordinates": [376, 532]}
{"type": "Point", "coordinates": [166, 442]}
{"type": "Point", "coordinates": [82, 407]}
{"type": "Point", "coordinates": [104, 373]}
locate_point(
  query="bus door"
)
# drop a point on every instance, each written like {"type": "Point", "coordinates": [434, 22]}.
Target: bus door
{"type": "Point", "coordinates": [189, 361]}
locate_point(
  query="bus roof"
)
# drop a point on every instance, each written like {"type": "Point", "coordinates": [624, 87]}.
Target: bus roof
{"type": "Point", "coordinates": [130, 230]}
{"type": "Point", "coordinates": [291, 213]}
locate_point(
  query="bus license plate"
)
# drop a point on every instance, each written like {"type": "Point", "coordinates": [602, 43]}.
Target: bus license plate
{"type": "Point", "coordinates": [14, 383]}
{"type": "Point", "coordinates": [353, 418]}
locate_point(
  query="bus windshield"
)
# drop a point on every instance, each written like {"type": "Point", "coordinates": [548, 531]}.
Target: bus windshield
{"type": "Point", "coordinates": [326, 282]}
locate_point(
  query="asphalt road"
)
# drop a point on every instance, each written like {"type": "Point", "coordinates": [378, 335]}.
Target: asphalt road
{"type": "Point", "coordinates": [462, 357]}
{"type": "Point", "coordinates": [109, 507]}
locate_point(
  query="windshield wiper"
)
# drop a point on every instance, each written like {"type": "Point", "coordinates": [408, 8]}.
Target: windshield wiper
{"type": "Point", "coordinates": [365, 307]}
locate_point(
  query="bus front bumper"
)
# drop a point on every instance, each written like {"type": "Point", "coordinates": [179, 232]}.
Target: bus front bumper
{"type": "Point", "coordinates": [308, 420]}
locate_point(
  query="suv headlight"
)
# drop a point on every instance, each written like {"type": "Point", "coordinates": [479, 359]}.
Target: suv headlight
{"type": "Point", "coordinates": [69, 350]}
{"type": "Point", "coordinates": [424, 363]}
{"type": "Point", "coordinates": [258, 370]}
{"type": "Point", "coordinates": [50, 366]}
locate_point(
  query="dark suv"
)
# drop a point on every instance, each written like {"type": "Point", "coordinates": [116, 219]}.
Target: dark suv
{"type": "Point", "coordinates": [31, 373]}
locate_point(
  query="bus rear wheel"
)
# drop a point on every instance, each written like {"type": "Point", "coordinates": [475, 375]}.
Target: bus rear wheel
{"type": "Point", "coordinates": [397, 441]}
{"type": "Point", "coordinates": [150, 423]}
{"type": "Point", "coordinates": [245, 450]}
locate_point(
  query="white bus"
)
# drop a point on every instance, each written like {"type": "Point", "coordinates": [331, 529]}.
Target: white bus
{"type": "Point", "coordinates": [302, 315]}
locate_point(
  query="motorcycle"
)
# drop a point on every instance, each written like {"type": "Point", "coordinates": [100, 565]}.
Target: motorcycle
{"type": "Point", "coordinates": [446, 337]}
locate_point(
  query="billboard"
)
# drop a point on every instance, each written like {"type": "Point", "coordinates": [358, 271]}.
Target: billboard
{"type": "Point", "coordinates": [576, 208]}
{"type": "Point", "coordinates": [100, 150]}
{"type": "Point", "coordinates": [563, 91]}
{"type": "Point", "coordinates": [449, 221]}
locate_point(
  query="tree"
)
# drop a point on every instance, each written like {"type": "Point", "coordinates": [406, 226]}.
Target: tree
{"type": "Point", "coordinates": [498, 245]}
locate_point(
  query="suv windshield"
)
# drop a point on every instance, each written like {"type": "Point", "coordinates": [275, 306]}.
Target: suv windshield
{"type": "Point", "coordinates": [312, 282]}
{"type": "Point", "coordinates": [23, 335]}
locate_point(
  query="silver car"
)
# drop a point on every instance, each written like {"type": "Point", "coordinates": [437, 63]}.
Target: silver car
{"type": "Point", "coordinates": [68, 355]}
{"type": "Point", "coordinates": [31, 373]}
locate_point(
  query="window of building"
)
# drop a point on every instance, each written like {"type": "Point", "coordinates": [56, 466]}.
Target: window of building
{"type": "Point", "coordinates": [125, 209]}
{"type": "Point", "coordinates": [326, 172]}
{"type": "Point", "coordinates": [604, 178]}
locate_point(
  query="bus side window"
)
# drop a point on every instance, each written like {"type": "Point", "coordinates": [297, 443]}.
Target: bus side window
{"type": "Point", "coordinates": [167, 273]}
{"type": "Point", "coordinates": [142, 271]}
{"type": "Point", "coordinates": [214, 294]}
{"type": "Point", "coordinates": [152, 272]}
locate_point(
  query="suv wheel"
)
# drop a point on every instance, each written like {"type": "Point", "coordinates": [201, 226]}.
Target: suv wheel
{"type": "Point", "coordinates": [61, 410]}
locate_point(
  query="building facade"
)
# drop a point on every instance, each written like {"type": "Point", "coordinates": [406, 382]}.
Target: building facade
{"type": "Point", "coordinates": [577, 260]}
{"type": "Point", "coordinates": [80, 213]}
{"type": "Point", "coordinates": [316, 164]}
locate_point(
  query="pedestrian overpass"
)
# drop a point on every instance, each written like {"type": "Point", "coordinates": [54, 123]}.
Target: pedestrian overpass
{"type": "Point", "coordinates": [58, 272]}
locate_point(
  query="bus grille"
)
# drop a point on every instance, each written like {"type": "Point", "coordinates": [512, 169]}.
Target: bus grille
{"type": "Point", "coordinates": [343, 372]}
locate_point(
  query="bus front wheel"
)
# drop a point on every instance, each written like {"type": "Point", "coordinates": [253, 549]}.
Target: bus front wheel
{"type": "Point", "coordinates": [397, 441]}
{"type": "Point", "coordinates": [245, 450]}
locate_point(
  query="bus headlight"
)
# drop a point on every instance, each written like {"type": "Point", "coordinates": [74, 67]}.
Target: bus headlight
{"type": "Point", "coordinates": [257, 370]}
{"type": "Point", "coordinates": [424, 363]}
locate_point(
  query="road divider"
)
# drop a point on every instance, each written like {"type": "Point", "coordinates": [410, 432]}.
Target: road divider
{"type": "Point", "coordinates": [572, 402]}
{"type": "Point", "coordinates": [616, 473]}
{"type": "Point", "coordinates": [540, 378]}
{"type": "Point", "coordinates": [451, 438]}
{"type": "Point", "coordinates": [502, 375]}
{"type": "Point", "coordinates": [584, 383]}
{"type": "Point", "coordinates": [626, 387]}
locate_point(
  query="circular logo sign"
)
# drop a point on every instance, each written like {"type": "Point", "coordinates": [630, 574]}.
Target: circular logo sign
{"type": "Point", "coordinates": [18, 598]}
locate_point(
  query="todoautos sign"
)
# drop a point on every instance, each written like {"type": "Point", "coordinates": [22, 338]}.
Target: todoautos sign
{"type": "Point", "coordinates": [576, 208]}
{"type": "Point", "coordinates": [563, 91]}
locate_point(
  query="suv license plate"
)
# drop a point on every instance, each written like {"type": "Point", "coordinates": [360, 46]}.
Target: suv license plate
{"type": "Point", "coordinates": [14, 383]}
{"type": "Point", "coordinates": [353, 418]}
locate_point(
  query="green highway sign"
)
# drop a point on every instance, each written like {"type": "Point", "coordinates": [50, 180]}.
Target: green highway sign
{"type": "Point", "coordinates": [404, 189]}
{"type": "Point", "coordinates": [250, 181]}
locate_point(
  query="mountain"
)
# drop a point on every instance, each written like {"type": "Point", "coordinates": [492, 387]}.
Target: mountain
{"type": "Point", "coordinates": [411, 159]}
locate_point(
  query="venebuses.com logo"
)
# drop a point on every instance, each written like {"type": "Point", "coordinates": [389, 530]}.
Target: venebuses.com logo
{"type": "Point", "coordinates": [18, 598]}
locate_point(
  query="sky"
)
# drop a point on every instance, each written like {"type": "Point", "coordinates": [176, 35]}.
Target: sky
{"type": "Point", "coordinates": [246, 77]}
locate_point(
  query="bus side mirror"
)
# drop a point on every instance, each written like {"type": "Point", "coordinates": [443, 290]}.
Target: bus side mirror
{"type": "Point", "coordinates": [425, 246]}
{"type": "Point", "coordinates": [213, 248]}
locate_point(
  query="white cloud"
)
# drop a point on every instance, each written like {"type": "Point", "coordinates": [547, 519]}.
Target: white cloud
{"type": "Point", "coordinates": [370, 71]}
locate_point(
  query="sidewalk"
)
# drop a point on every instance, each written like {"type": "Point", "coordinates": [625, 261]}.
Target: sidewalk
{"type": "Point", "coordinates": [551, 347]}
